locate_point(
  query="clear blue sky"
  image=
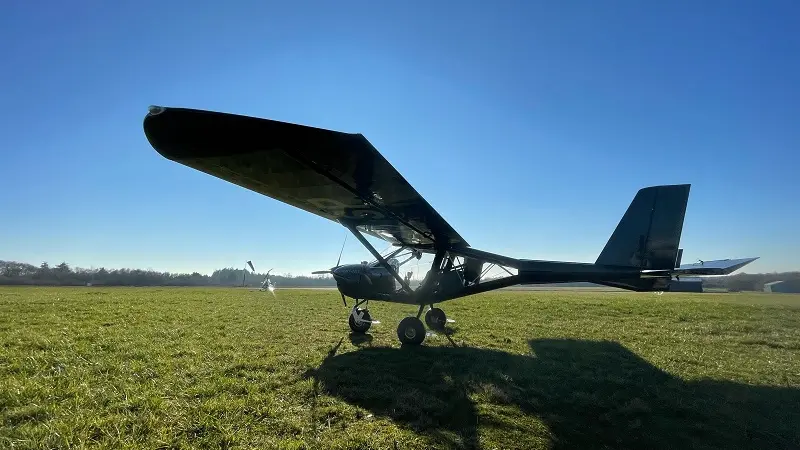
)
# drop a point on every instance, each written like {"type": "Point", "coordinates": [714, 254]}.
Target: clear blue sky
{"type": "Point", "coordinates": [559, 110]}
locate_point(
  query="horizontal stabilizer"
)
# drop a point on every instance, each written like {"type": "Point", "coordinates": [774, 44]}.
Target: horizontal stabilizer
{"type": "Point", "coordinates": [717, 267]}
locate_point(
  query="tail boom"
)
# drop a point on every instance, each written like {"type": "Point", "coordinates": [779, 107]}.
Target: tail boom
{"type": "Point", "coordinates": [641, 255]}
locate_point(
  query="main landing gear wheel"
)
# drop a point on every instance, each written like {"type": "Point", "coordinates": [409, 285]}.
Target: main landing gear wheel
{"type": "Point", "coordinates": [359, 320]}
{"type": "Point", "coordinates": [411, 331]}
{"type": "Point", "coordinates": [435, 319]}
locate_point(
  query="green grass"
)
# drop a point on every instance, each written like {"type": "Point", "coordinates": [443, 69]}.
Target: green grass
{"type": "Point", "coordinates": [219, 368]}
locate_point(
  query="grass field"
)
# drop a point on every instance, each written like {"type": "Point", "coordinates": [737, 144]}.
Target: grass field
{"type": "Point", "coordinates": [220, 368]}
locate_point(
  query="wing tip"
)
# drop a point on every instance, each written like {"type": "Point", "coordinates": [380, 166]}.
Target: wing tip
{"type": "Point", "coordinates": [154, 110]}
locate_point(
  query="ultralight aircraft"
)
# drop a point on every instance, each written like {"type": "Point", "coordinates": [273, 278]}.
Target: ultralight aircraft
{"type": "Point", "coordinates": [342, 177]}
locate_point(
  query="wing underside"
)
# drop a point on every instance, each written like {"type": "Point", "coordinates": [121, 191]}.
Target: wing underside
{"type": "Point", "coordinates": [339, 176]}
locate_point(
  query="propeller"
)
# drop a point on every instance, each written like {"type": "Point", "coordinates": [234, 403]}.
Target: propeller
{"type": "Point", "coordinates": [320, 272]}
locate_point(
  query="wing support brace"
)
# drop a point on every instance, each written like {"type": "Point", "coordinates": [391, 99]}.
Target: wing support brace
{"type": "Point", "coordinates": [378, 256]}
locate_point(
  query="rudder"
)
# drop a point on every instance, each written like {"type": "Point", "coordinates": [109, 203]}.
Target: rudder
{"type": "Point", "coordinates": [648, 235]}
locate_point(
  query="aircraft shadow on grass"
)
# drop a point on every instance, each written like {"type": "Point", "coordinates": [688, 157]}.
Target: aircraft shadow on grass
{"type": "Point", "coordinates": [589, 394]}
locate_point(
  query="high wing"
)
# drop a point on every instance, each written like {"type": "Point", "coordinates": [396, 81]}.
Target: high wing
{"type": "Point", "coordinates": [716, 267]}
{"type": "Point", "coordinates": [339, 176]}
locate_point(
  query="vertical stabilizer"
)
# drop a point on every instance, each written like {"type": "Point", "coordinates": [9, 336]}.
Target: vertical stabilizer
{"type": "Point", "coordinates": [649, 233]}
{"type": "Point", "coordinates": [680, 257]}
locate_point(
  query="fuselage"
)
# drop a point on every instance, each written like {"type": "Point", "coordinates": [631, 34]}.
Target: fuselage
{"type": "Point", "coordinates": [362, 281]}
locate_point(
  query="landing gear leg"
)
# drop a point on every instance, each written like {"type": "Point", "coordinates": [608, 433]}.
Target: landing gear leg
{"type": "Point", "coordinates": [435, 318]}
{"type": "Point", "coordinates": [359, 319]}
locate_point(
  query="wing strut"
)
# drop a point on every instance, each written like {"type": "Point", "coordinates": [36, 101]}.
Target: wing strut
{"type": "Point", "coordinates": [378, 256]}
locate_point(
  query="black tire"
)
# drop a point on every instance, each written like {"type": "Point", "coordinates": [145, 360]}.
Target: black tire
{"type": "Point", "coordinates": [411, 331]}
{"type": "Point", "coordinates": [363, 326]}
{"type": "Point", "coordinates": [435, 319]}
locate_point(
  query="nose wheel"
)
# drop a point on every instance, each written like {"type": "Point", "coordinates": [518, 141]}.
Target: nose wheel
{"type": "Point", "coordinates": [359, 320]}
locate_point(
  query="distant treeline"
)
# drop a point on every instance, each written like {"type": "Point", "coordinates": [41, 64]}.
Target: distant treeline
{"type": "Point", "coordinates": [748, 281]}
{"type": "Point", "coordinates": [17, 273]}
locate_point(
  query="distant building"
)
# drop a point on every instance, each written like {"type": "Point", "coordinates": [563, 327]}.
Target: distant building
{"type": "Point", "coordinates": [785, 287]}
{"type": "Point", "coordinates": [693, 284]}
